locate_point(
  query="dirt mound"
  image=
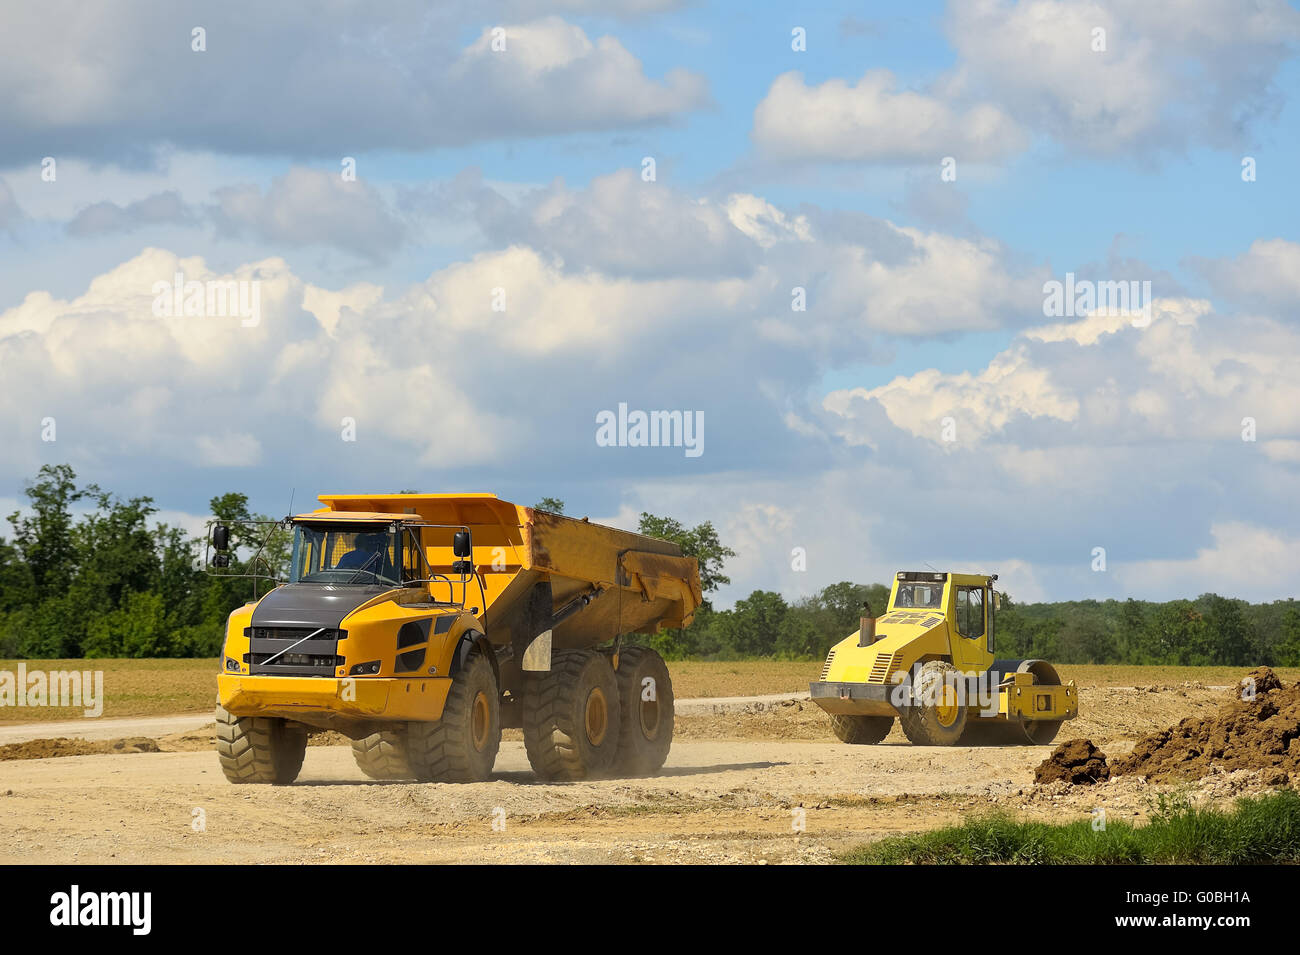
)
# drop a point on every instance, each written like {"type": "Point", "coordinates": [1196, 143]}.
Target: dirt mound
{"type": "Point", "coordinates": [1261, 680]}
{"type": "Point", "coordinates": [64, 746]}
{"type": "Point", "coordinates": [1262, 732]}
{"type": "Point", "coordinates": [1075, 761]}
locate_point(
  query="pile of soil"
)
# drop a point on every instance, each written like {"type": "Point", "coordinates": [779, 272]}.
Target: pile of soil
{"type": "Point", "coordinates": [1261, 733]}
{"type": "Point", "coordinates": [1075, 761]}
{"type": "Point", "coordinates": [64, 746]}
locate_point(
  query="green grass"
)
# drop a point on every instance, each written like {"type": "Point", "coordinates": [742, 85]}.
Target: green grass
{"type": "Point", "coordinates": [1262, 829]}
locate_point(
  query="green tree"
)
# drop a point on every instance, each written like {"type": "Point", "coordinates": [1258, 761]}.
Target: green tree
{"type": "Point", "coordinates": [17, 588]}
{"type": "Point", "coordinates": [1229, 637]}
{"type": "Point", "coordinates": [552, 505]}
{"type": "Point", "coordinates": [1287, 651]}
{"type": "Point", "coordinates": [752, 627]}
{"type": "Point", "coordinates": [138, 628]}
{"type": "Point", "coordinates": [1084, 639]}
{"type": "Point", "coordinates": [44, 538]}
{"type": "Point", "coordinates": [1176, 634]}
{"type": "Point", "coordinates": [700, 542]}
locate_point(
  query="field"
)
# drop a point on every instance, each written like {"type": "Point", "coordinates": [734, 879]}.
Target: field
{"type": "Point", "coordinates": [164, 687]}
{"type": "Point", "coordinates": [756, 781]}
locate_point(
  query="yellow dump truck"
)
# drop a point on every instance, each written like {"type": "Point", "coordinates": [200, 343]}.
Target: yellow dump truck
{"type": "Point", "coordinates": [419, 625]}
{"type": "Point", "coordinates": [929, 662]}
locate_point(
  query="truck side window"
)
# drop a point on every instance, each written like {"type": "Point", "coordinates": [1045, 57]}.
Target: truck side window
{"type": "Point", "coordinates": [970, 612]}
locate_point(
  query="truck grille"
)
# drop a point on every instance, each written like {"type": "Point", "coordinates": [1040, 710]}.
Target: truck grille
{"type": "Point", "coordinates": [826, 670]}
{"type": "Point", "coordinates": [884, 667]}
{"type": "Point", "coordinates": [315, 657]}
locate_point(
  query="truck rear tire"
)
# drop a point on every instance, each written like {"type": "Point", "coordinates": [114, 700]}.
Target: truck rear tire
{"type": "Point", "coordinates": [259, 749]}
{"type": "Point", "coordinates": [462, 746]}
{"type": "Point", "coordinates": [936, 716]}
{"type": "Point", "coordinates": [861, 730]}
{"type": "Point", "coordinates": [383, 756]}
{"type": "Point", "coordinates": [646, 725]}
{"type": "Point", "coordinates": [571, 717]}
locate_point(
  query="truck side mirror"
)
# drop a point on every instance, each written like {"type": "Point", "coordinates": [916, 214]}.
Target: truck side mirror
{"type": "Point", "coordinates": [462, 567]}
{"type": "Point", "coordinates": [221, 538]}
{"type": "Point", "coordinates": [997, 600]}
{"type": "Point", "coordinates": [460, 544]}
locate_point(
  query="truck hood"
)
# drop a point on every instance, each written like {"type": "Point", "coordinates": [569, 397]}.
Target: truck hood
{"type": "Point", "coordinates": [311, 605]}
{"type": "Point", "coordinates": [898, 628]}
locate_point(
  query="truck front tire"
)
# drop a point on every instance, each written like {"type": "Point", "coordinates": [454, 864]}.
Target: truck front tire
{"type": "Point", "coordinates": [462, 746]}
{"type": "Point", "coordinates": [572, 717]}
{"type": "Point", "coordinates": [257, 749]}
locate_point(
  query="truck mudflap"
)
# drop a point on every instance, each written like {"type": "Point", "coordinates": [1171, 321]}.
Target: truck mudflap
{"type": "Point", "coordinates": [328, 702]}
{"type": "Point", "coordinates": [858, 699]}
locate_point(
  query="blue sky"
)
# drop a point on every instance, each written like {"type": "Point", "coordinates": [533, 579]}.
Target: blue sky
{"type": "Point", "coordinates": [521, 169]}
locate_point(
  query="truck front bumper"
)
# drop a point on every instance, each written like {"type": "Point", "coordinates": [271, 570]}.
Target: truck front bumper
{"type": "Point", "coordinates": [326, 702]}
{"type": "Point", "coordinates": [860, 699]}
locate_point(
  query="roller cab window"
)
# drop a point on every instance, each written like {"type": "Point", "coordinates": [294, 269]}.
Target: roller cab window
{"type": "Point", "coordinates": [926, 596]}
{"type": "Point", "coordinates": [970, 612]}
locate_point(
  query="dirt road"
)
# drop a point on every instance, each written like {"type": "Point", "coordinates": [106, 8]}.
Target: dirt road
{"type": "Point", "coordinates": [747, 781]}
{"type": "Point", "coordinates": [117, 727]}
{"type": "Point", "coordinates": [715, 801]}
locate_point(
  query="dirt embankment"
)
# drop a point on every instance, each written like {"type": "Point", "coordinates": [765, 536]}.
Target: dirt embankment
{"type": "Point", "coordinates": [1077, 762]}
{"type": "Point", "coordinates": [1258, 728]}
{"type": "Point", "coordinates": [63, 746]}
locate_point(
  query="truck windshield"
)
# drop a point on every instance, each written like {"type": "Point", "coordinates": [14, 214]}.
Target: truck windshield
{"type": "Point", "coordinates": [925, 596]}
{"type": "Point", "coordinates": [343, 554]}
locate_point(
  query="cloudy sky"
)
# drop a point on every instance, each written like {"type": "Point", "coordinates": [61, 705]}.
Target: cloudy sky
{"type": "Point", "coordinates": [827, 233]}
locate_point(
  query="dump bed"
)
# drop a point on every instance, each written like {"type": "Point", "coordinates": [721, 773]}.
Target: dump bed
{"type": "Point", "coordinates": [641, 583]}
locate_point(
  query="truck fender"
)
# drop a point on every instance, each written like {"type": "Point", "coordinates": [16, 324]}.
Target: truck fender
{"type": "Point", "coordinates": [468, 641]}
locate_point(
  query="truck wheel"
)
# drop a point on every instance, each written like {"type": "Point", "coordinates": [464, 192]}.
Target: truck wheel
{"type": "Point", "coordinates": [571, 717]}
{"type": "Point", "coordinates": [936, 716]}
{"type": "Point", "coordinates": [258, 749]}
{"type": "Point", "coordinates": [461, 747]}
{"type": "Point", "coordinates": [861, 730]}
{"type": "Point", "coordinates": [645, 693]}
{"type": "Point", "coordinates": [382, 755]}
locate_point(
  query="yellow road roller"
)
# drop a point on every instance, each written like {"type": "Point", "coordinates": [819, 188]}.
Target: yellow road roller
{"type": "Point", "coordinates": [928, 662]}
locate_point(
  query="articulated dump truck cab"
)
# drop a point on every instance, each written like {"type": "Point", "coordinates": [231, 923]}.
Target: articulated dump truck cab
{"type": "Point", "coordinates": [419, 625]}
{"type": "Point", "coordinates": [929, 663]}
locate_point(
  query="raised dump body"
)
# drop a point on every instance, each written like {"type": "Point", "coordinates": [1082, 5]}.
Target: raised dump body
{"type": "Point", "coordinates": [421, 624]}
{"type": "Point", "coordinates": [643, 583]}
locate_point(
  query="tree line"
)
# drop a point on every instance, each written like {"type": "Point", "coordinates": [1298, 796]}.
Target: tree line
{"type": "Point", "coordinates": [85, 573]}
